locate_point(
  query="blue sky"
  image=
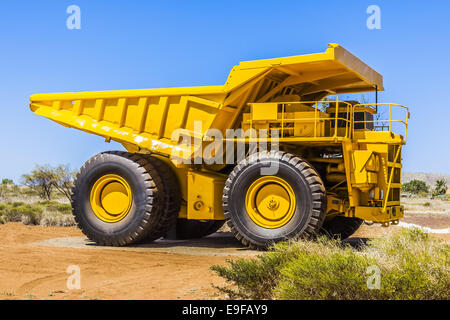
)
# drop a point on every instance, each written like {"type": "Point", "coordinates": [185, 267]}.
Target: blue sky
{"type": "Point", "coordinates": [149, 44]}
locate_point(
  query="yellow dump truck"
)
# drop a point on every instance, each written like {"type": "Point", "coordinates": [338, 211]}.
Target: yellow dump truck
{"type": "Point", "coordinates": [269, 152]}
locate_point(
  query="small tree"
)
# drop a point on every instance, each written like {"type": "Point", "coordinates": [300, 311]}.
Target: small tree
{"type": "Point", "coordinates": [7, 181]}
{"type": "Point", "coordinates": [415, 187]}
{"type": "Point", "coordinates": [439, 188]}
{"type": "Point", "coordinates": [45, 179]}
{"type": "Point", "coordinates": [62, 180]}
{"type": "Point", "coordinates": [40, 180]}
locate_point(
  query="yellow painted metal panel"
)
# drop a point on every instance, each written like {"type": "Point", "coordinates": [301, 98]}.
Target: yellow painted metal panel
{"type": "Point", "coordinates": [205, 196]}
{"type": "Point", "coordinates": [156, 116]}
{"type": "Point", "coordinates": [264, 111]}
{"type": "Point", "coordinates": [376, 214]}
{"type": "Point", "coordinates": [334, 58]}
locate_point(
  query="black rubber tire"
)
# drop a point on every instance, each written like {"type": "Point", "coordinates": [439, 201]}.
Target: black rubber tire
{"type": "Point", "coordinates": [308, 188]}
{"type": "Point", "coordinates": [341, 227]}
{"type": "Point", "coordinates": [172, 197]}
{"type": "Point", "coordinates": [194, 229]}
{"type": "Point", "coordinates": [146, 214]}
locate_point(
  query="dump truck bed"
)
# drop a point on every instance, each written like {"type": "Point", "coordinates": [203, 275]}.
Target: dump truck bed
{"type": "Point", "coordinates": [147, 118]}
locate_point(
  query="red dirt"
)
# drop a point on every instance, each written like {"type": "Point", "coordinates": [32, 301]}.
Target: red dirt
{"type": "Point", "coordinates": [38, 272]}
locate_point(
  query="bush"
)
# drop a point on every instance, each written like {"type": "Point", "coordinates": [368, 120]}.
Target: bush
{"type": "Point", "coordinates": [415, 187]}
{"type": "Point", "coordinates": [20, 212]}
{"type": "Point", "coordinates": [412, 266]}
{"type": "Point", "coordinates": [256, 279]}
{"type": "Point", "coordinates": [7, 181]}
{"type": "Point", "coordinates": [54, 206]}
{"type": "Point", "coordinates": [335, 276]}
{"type": "Point", "coordinates": [46, 213]}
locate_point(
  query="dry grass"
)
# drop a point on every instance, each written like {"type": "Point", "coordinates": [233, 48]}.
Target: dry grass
{"type": "Point", "coordinates": [421, 205]}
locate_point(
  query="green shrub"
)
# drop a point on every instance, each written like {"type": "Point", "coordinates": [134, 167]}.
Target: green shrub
{"type": "Point", "coordinates": [255, 279]}
{"type": "Point", "coordinates": [335, 276]}
{"type": "Point", "coordinates": [7, 181]}
{"type": "Point", "coordinates": [45, 213]}
{"type": "Point", "coordinates": [412, 266]}
{"type": "Point", "coordinates": [64, 208]}
{"type": "Point", "coordinates": [21, 212]}
{"type": "Point", "coordinates": [54, 206]}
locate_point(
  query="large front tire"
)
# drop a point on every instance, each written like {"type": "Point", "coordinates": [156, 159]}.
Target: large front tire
{"type": "Point", "coordinates": [265, 209]}
{"type": "Point", "coordinates": [118, 199]}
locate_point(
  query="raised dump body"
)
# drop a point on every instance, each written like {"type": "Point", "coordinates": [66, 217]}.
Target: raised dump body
{"type": "Point", "coordinates": [146, 119]}
{"type": "Point", "coordinates": [338, 162]}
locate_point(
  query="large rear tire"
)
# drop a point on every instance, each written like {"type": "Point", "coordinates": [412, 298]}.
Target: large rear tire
{"type": "Point", "coordinates": [172, 197]}
{"type": "Point", "coordinates": [118, 199]}
{"type": "Point", "coordinates": [265, 209]}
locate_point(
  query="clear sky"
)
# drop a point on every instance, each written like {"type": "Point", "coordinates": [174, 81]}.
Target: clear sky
{"type": "Point", "coordinates": [149, 44]}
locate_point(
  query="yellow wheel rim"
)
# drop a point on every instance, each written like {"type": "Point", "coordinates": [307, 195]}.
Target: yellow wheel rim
{"type": "Point", "coordinates": [270, 202]}
{"type": "Point", "coordinates": [111, 198]}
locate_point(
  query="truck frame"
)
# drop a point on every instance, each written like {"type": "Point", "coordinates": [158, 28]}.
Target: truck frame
{"type": "Point", "coordinates": [337, 163]}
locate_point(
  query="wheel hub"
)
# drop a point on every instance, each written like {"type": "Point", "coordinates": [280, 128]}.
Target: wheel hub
{"type": "Point", "coordinates": [111, 198]}
{"type": "Point", "coordinates": [270, 202]}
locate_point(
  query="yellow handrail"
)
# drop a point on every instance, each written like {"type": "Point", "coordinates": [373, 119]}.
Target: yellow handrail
{"type": "Point", "coordinates": [389, 121]}
{"type": "Point", "coordinates": [349, 120]}
{"type": "Point", "coordinates": [386, 199]}
{"type": "Point", "coordinates": [336, 116]}
{"type": "Point", "coordinates": [315, 120]}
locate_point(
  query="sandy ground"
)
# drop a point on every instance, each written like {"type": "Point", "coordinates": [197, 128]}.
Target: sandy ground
{"type": "Point", "coordinates": [32, 271]}
{"type": "Point", "coordinates": [34, 261]}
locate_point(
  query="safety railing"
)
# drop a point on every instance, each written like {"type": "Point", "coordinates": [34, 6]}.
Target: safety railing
{"type": "Point", "coordinates": [340, 119]}
{"type": "Point", "coordinates": [338, 115]}
{"type": "Point", "coordinates": [380, 124]}
{"type": "Point", "coordinates": [391, 175]}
